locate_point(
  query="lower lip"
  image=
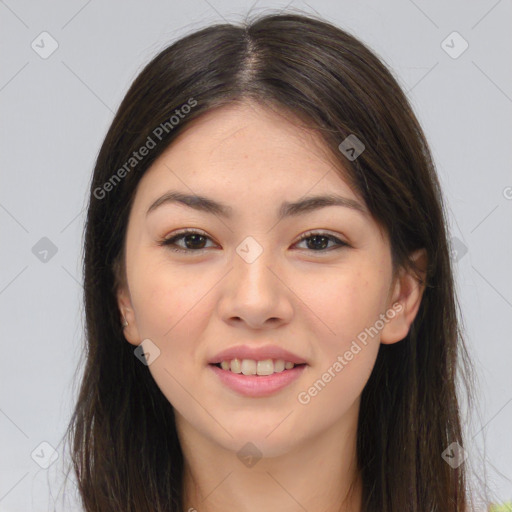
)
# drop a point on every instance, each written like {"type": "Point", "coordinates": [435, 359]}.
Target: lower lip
{"type": "Point", "coordinates": [258, 385]}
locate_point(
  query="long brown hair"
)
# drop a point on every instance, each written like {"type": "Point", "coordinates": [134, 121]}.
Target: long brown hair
{"type": "Point", "coordinates": [124, 446]}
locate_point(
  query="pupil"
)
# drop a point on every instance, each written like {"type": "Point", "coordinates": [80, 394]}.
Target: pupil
{"type": "Point", "coordinates": [195, 238]}
{"type": "Point", "coordinates": [316, 245]}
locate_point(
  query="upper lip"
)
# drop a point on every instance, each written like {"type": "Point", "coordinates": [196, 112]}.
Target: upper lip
{"type": "Point", "coordinates": [256, 353]}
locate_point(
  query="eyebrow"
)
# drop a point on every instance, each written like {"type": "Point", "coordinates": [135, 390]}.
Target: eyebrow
{"type": "Point", "coordinates": [287, 209]}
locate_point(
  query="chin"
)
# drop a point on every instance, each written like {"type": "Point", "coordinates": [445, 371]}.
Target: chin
{"type": "Point", "coordinates": [257, 443]}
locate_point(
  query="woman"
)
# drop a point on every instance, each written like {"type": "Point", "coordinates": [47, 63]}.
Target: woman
{"type": "Point", "coordinates": [270, 306]}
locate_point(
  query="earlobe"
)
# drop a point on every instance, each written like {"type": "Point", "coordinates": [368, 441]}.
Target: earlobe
{"type": "Point", "coordinates": [408, 293]}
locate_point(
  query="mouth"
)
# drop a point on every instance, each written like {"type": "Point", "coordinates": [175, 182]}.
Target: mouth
{"type": "Point", "coordinates": [257, 379]}
{"type": "Point", "coordinates": [261, 368]}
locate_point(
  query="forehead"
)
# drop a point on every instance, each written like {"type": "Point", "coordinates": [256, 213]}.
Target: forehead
{"type": "Point", "coordinates": [246, 146]}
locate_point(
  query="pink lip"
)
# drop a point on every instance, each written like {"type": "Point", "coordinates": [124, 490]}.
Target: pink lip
{"type": "Point", "coordinates": [256, 353]}
{"type": "Point", "coordinates": [257, 385]}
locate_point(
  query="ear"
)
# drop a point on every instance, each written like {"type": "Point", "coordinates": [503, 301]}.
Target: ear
{"type": "Point", "coordinates": [130, 331]}
{"type": "Point", "coordinates": [406, 294]}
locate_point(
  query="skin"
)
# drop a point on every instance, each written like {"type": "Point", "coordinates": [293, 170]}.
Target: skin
{"type": "Point", "coordinates": [309, 301]}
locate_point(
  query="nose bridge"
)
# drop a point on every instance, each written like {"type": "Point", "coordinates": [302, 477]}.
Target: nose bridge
{"type": "Point", "coordinates": [251, 267]}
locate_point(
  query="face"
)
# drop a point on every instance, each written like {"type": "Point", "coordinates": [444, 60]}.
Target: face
{"type": "Point", "coordinates": [244, 277]}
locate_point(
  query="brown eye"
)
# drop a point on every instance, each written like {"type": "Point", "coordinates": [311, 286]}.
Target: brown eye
{"type": "Point", "coordinates": [194, 241]}
{"type": "Point", "coordinates": [318, 242]}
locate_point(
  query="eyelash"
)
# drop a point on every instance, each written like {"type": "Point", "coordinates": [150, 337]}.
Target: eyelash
{"type": "Point", "coordinates": [167, 242]}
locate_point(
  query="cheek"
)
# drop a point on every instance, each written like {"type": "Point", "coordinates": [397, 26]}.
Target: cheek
{"type": "Point", "coordinates": [347, 306]}
{"type": "Point", "coordinates": [332, 392]}
{"type": "Point", "coordinates": [344, 304]}
{"type": "Point", "coordinates": [162, 295]}
{"type": "Point", "coordinates": [170, 305]}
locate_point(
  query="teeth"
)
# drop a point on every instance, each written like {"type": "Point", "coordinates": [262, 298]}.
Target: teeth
{"type": "Point", "coordinates": [265, 367]}
{"type": "Point", "coordinates": [236, 366]}
{"type": "Point", "coordinates": [279, 365]}
{"type": "Point", "coordinates": [248, 367]}
{"type": "Point", "coordinates": [253, 367]}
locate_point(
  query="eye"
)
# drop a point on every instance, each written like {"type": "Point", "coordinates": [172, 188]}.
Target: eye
{"type": "Point", "coordinates": [319, 241]}
{"type": "Point", "coordinates": [195, 241]}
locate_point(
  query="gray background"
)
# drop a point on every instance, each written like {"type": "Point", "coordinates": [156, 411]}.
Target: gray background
{"type": "Point", "coordinates": [55, 112]}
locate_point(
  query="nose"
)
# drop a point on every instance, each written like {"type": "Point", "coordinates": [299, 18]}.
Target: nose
{"type": "Point", "coordinates": [256, 293]}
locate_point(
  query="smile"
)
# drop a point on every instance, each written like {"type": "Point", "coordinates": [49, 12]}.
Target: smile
{"type": "Point", "coordinates": [253, 367]}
